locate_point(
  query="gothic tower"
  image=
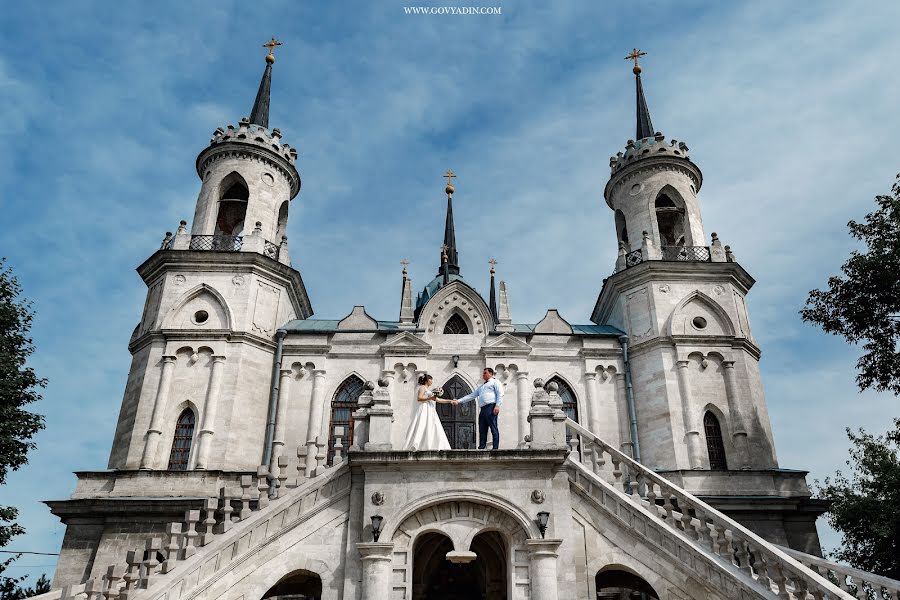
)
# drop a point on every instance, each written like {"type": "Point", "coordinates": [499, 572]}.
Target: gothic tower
{"type": "Point", "coordinates": [203, 351]}
{"type": "Point", "coordinates": [699, 402]}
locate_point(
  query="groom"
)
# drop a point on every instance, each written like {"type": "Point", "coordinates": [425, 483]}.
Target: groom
{"type": "Point", "coordinates": [490, 397]}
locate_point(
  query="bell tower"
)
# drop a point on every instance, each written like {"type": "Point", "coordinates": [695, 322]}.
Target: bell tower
{"type": "Point", "coordinates": [197, 396]}
{"type": "Point", "coordinates": [681, 300]}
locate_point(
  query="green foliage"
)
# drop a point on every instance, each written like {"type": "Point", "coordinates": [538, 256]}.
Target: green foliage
{"type": "Point", "coordinates": [864, 507]}
{"type": "Point", "coordinates": [863, 305]}
{"type": "Point", "coordinates": [19, 386]}
{"type": "Point", "coordinates": [13, 589]}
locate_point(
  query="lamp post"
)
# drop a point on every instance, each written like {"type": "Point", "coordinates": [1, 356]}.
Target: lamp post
{"type": "Point", "coordinates": [376, 527]}
{"type": "Point", "coordinates": [543, 518]}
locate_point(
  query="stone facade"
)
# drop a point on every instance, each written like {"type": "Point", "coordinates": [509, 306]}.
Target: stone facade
{"type": "Point", "coordinates": [641, 438]}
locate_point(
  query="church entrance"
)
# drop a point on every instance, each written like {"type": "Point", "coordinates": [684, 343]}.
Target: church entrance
{"type": "Point", "coordinates": [458, 421]}
{"type": "Point", "coordinates": [436, 578]}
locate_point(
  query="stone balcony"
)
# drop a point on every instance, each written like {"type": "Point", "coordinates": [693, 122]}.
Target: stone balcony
{"type": "Point", "coordinates": [648, 251]}
{"type": "Point", "coordinates": [254, 242]}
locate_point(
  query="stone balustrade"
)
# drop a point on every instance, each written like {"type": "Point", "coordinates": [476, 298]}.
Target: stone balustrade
{"type": "Point", "coordinates": [715, 252]}
{"type": "Point", "coordinates": [856, 582]}
{"type": "Point", "coordinates": [770, 567]}
{"type": "Point", "coordinates": [251, 242]}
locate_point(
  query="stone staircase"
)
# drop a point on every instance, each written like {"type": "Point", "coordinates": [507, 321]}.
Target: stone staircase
{"type": "Point", "coordinates": [201, 551]}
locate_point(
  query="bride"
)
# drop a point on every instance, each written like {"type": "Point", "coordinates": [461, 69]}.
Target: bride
{"type": "Point", "coordinates": [425, 430]}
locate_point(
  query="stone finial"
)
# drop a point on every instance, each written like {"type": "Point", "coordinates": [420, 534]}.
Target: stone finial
{"type": "Point", "coordinates": [504, 317]}
{"type": "Point", "coordinates": [407, 312]}
{"type": "Point", "coordinates": [166, 240]}
{"type": "Point", "coordinates": [257, 229]}
{"type": "Point", "coordinates": [383, 382]}
{"type": "Point", "coordinates": [716, 252]}
{"type": "Point", "coordinates": [370, 386]}
{"type": "Point", "coordinates": [182, 228]}
{"type": "Point", "coordinates": [729, 255]}
{"type": "Point", "coordinates": [538, 383]}
{"type": "Point", "coordinates": [552, 387]}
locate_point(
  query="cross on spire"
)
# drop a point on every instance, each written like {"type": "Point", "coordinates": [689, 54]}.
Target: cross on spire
{"type": "Point", "coordinates": [449, 256]}
{"type": "Point", "coordinates": [404, 262]}
{"type": "Point", "coordinates": [271, 45]}
{"type": "Point", "coordinates": [492, 262]}
{"type": "Point", "coordinates": [635, 55]}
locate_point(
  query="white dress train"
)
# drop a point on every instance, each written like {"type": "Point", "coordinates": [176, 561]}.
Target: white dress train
{"type": "Point", "coordinates": [425, 429]}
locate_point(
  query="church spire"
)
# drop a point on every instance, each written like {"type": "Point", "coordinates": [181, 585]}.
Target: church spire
{"type": "Point", "coordinates": [493, 300]}
{"type": "Point", "coordinates": [449, 246]}
{"type": "Point", "coordinates": [259, 115]}
{"type": "Point", "coordinates": [644, 125]}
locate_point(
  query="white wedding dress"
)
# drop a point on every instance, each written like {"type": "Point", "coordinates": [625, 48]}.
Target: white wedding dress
{"type": "Point", "coordinates": [425, 430]}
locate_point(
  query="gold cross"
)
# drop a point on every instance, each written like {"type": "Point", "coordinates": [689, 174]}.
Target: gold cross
{"type": "Point", "coordinates": [492, 262]}
{"type": "Point", "coordinates": [444, 248]}
{"type": "Point", "coordinates": [449, 175]}
{"type": "Point", "coordinates": [271, 45]}
{"type": "Point", "coordinates": [404, 262]}
{"type": "Point", "coordinates": [635, 55]}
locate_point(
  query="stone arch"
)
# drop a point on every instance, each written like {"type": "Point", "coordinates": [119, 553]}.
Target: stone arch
{"type": "Point", "coordinates": [669, 213]}
{"type": "Point", "coordinates": [282, 220]}
{"type": "Point", "coordinates": [181, 449]}
{"type": "Point", "coordinates": [618, 559]}
{"type": "Point", "coordinates": [264, 577]}
{"type": "Point", "coordinates": [718, 322]}
{"type": "Point", "coordinates": [201, 297]}
{"type": "Point", "coordinates": [623, 583]}
{"type": "Point", "coordinates": [232, 195]}
{"type": "Point", "coordinates": [344, 401]}
{"type": "Point", "coordinates": [455, 296]}
{"type": "Point", "coordinates": [570, 406]}
{"type": "Point", "coordinates": [622, 229]}
{"type": "Point", "coordinates": [300, 584]}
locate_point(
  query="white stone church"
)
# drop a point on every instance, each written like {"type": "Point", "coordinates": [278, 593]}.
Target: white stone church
{"type": "Point", "coordinates": [258, 452]}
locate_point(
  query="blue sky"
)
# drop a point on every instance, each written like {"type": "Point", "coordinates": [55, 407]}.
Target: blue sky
{"type": "Point", "coordinates": [788, 108]}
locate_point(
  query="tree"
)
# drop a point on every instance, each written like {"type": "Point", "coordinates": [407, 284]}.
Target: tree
{"type": "Point", "coordinates": [864, 507]}
{"type": "Point", "coordinates": [11, 590]}
{"type": "Point", "coordinates": [863, 305]}
{"type": "Point", "coordinates": [19, 386]}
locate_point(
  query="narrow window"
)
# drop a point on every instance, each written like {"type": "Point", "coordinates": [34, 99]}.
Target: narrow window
{"type": "Point", "coordinates": [570, 404]}
{"type": "Point", "coordinates": [181, 443]}
{"type": "Point", "coordinates": [670, 220]}
{"type": "Point", "coordinates": [344, 404]}
{"type": "Point", "coordinates": [456, 325]}
{"type": "Point", "coordinates": [232, 205]}
{"type": "Point", "coordinates": [715, 445]}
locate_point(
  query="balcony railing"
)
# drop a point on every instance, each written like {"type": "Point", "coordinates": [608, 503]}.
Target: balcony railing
{"type": "Point", "coordinates": [685, 253]}
{"type": "Point", "coordinates": [271, 250]}
{"type": "Point", "coordinates": [221, 243]}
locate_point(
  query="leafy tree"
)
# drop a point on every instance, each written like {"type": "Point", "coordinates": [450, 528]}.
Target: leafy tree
{"type": "Point", "coordinates": [19, 386]}
{"type": "Point", "coordinates": [864, 507]}
{"type": "Point", "coordinates": [10, 588]}
{"type": "Point", "coordinates": [863, 305]}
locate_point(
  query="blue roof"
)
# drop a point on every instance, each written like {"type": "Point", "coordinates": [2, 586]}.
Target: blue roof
{"type": "Point", "coordinates": [433, 286]}
{"type": "Point", "coordinates": [591, 329]}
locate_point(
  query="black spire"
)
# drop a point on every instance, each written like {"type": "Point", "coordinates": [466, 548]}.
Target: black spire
{"type": "Point", "coordinates": [259, 114]}
{"type": "Point", "coordinates": [644, 125]}
{"type": "Point", "coordinates": [449, 232]}
{"type": "Point", "coordinates": [493, 304]}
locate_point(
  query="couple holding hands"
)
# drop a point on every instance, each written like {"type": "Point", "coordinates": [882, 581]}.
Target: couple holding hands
{"type": "Point", "coordinates": [426, 431]}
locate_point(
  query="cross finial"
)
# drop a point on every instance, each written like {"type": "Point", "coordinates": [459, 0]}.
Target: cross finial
{"type": "Point", "coordinates": [635, 55]}
{"type": "Point", "coordinates": [444, 249]}
{"type": "Point", "coordinates": [404, 262]}
{"type": "Point", "coordinates": [450, 175]}
{"type": "Point", "coordinates": [492, 262]}
{"type": "Point", "coordinates": [271, 45]}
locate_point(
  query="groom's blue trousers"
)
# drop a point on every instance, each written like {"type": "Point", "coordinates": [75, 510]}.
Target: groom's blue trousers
{"type": "Point", "coordinates": [487, 418]}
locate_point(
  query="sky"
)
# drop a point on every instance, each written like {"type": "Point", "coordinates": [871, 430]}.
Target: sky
{"type": "Point", "coordinates": [789, 109]}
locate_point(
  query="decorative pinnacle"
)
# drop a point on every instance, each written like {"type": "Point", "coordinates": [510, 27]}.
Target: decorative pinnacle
{"type": "Point", "coordinates": [492, 262]}
{"type": "Point", "coordinates": [444, 248]}
{"type": "Point", "coordinates": [404, 262]}
{"type": "Point", "coordinates": [635, 55]}
{"type": "Point", "coordinates": [271, 45]}
{"type": "Point", "coordinates": [450, 175]}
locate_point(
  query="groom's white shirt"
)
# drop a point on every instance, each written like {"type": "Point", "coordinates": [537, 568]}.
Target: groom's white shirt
{"type": "Point", "coordinates": [489, 392]}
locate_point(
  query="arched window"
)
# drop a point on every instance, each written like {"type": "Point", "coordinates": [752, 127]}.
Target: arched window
{"type": "Point", "coordinates": [670, 220]}
{"type": "Point", "coordinates": [715, 445]}
{"type": "Point", "coordinates": [299, 585]}
{"type": "Point", "coordinates": [570, 405]}
{"type": "Point", "coordinates": [616, 584]}
{"type": "Point", "coordinates": [344, 404]}
{"type": "Point", "coordinates": [282, 222]}
{"type": "Point", "coordinates": [232, 205]}
{"type": "Point", "coordinates": [456, 325]}
{"type": "Point", "coordinates": [181, 442]}
{"type": "Point", "coordinates": [622, 228]}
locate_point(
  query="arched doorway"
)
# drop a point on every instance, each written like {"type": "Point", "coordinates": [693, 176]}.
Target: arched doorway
{"type": "Point", "coordinates": [299, 585]}
{"type": "Point", "coordinates": [458, 421]}
{"type": "Point", "coordinates": [436, 578]}
{"type": "Point", "coordinates": [616, 584]}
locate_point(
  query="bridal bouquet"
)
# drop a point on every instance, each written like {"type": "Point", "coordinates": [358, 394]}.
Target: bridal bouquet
{"type": "Point", "coordinates": [438, 392]}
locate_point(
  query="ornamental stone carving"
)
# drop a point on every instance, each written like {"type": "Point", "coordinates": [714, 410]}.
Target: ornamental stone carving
{"type": "Point", "coordinates": [537, 496]}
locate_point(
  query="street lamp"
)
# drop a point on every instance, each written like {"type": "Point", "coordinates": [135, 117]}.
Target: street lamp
{"type": "Point", "coordinates": [376, 526]}
{"type": "Point", "coordinates": [543, 518]}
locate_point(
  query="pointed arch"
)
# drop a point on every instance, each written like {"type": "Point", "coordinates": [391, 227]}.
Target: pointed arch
{"type": "Point", "coordinates": [217, 300]}
{"type": "Point", "coordinates": [182, 440]}
{"type": "Point", "coordinates": [456, 325]}
{"type": "Point", "coordinates": [715, 442]}
{"type": "Point", "coordinates": [282, 221]}
{"type": "Point", "coordinates": [567, 395]}
{"type": "Point", "coordinates": [678, 322]}
{"type": "Point", "coordinates": [668, 208]}
{"type": "Point", "coordinates": [234, 194]}
{"type": "Point", "coordinates": [621, 228]}
{"type": "Point", "coordinates": [458, 421]}
{"type": "Point", "coordinates": [455, 296]}
{"type": "Point", "coordinates": [343, 405]}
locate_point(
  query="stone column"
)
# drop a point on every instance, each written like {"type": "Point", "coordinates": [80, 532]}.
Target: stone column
{"type": "Point", "coordinates": [625, 444]}
{"type": "Point", "coordinates": [314, 427]}
{"type": "Point", "coordinates": [522, 404]}
{"type": "Point", "coordinates": [738, 427]}
{"type": "Point", "coordinates": [151, 446]}
{"type": "Point", "coordinates": [544, 577]}
{"type": "Point", "coordinates": [376, 569]}
{"type": "Point", "coordinates": [280, 418]}
{"type": "Point", "coordinates": [204, 442]}
{"type": "Point", "coordinates": [691, 423]}
{"type": "Point", "coordinates": [592, 410]}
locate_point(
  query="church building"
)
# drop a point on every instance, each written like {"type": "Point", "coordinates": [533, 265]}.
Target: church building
{"type": "Point", "coordinates": [259, 451]}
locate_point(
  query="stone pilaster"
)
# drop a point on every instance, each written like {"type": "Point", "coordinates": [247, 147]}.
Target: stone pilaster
{"type": "Point", "coordinates": [544, 571]}
{"type": "Point", "coordinates": [151, 446]}
{"type": "Point", "coordinates": [738, 425]}
{"type": "Point", "coordinates": [280, 417]}
{"type": "Point", "coordinates": [313, 429]}
{"type": "Point", "coordinates": [522, 404]}
{"type": "Point", "coordinates": [376, 569]}
{"type": "Point", "coordinates": [209, 413]}
{"type": "Point", "coordinates": [592, 417]}
{"type": "Point", "coordinates": [691, 422]}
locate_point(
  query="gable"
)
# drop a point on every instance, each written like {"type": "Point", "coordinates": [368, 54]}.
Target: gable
{"type": "Point", "coordinates": [405, 344]}
{"type": "Point", "coordinates": [358, 319]}
{"type": "Point", "coordinates": [553, 323]}
{"type": "Point", "coordinates": [506, 345]}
